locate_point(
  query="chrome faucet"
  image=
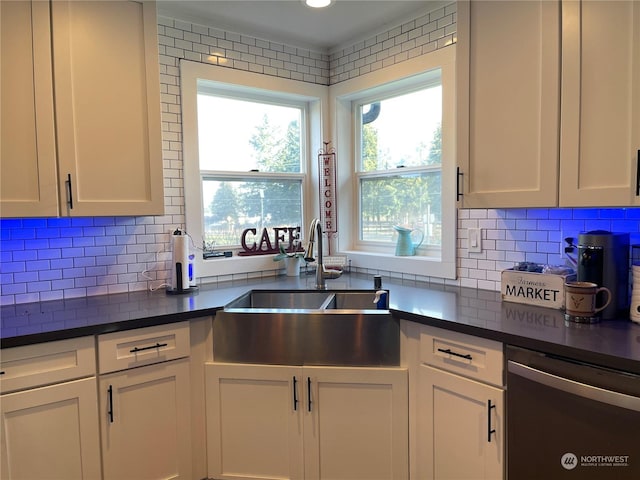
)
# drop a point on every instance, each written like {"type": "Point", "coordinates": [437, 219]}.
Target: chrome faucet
{"type": "Point", "coordinates": [322, 275]}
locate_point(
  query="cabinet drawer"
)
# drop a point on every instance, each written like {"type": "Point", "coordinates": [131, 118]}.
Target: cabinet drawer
{"type": "Point", "coordinates": [473, 357]}
{"type": "Point", "coordinates": [47, 363]}
{"type": "Point", "coordinates": [143, 346]}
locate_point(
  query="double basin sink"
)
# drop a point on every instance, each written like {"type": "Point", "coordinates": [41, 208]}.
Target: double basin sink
{"type": "Point", "coordinates": [307, 327]}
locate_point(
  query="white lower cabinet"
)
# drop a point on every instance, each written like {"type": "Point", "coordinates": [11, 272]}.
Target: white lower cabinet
{"type": "Point", "coordinates": [54, 412]}
{"type": "Point", "coordinates": [460, 427]}
{"type": "Point", "coordinates": [145, 411]}
{"type": "Point", "coordinates": [459, 407]}
{"type": "Point", "coordinates": [48, 411]}
{"type": "Point", "coordinates": [145, 422]}
{"type": "Point", "coordinates": [288, 422]}
{"type": "Point", "coordinates": [253, 428]}
{"type": "Point", "coordinates": [51, 432]}
{"type": "Point", "coordinates": [356, 424]}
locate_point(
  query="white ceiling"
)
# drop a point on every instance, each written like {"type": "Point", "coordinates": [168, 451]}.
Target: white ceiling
{"type": "Point", "coordinates": [293, 23]}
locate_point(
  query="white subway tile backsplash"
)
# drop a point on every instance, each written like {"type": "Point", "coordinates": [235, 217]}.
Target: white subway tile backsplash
{"type": "Point", "coordinates": [54, 258]}
{"type": "Point", "coordinates": [51, 295]}
{"type": "Point", "coordinates": [536, 235]}
{"type": "Point", "coordinates": [25, 255]}
{"type": "Point", "coordinates": [516, 235]}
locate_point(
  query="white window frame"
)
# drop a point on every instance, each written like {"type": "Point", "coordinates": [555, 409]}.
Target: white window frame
{"type": "Point", "coordinates": [259, 86]}
{"type": "Point", "coordinates": [408, 74]}
{"type": "Point", "coordinates": [428, 80]}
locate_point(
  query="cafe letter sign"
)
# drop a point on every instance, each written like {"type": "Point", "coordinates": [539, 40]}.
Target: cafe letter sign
{"type": "Point", "coordinates": [254, 243]}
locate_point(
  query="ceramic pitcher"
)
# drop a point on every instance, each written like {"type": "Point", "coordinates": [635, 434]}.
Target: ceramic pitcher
{"type": "Point", "coordinates": [405, 245]}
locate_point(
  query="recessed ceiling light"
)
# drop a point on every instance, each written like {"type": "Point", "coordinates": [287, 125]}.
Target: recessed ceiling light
{"type": "Point", "coordinates": [318, 3]}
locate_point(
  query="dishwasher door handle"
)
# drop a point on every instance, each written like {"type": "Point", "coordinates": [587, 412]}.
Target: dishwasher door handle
{"type": "Point", "coordinates": [576, 388]}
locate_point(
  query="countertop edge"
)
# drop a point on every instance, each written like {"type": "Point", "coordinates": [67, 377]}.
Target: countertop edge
{"type": "Point", "coordinates": [587, 356]}
{"type": "Point", "coordinates": [475, 312]}
{"type": "Point", "coordinates": [103, 328]}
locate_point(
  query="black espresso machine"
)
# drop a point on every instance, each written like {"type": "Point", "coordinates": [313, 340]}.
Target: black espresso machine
{"type": "Point", "coordinates": [603, 258]}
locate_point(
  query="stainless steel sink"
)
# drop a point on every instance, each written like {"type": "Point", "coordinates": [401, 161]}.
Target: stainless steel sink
{"type": "Point", "coordinates": [355, 300]}
{"type": "Point", "coordinates": [306, 327]}
{"type": "Point", "coordinates": [304, 300]}
{"type": "Point", "coordinates": [279, 299]}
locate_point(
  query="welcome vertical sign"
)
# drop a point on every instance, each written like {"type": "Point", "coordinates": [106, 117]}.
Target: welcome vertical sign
{"type": "Point", "coordinates": [327, 190]}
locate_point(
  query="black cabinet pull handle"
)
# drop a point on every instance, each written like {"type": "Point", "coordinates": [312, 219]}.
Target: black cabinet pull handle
{"type": "Point", "coordinates": [450, 352]}
{"type": "Point", "coordinates": [459, 175]}
{"type": "Point", "coordinates": [490, 430]}
{"type": "Point", "coordinates": [150, 347]}
{"type": "Point", "coordinates": [2, 372]}
{"type": "Point", "coordinates": [110, 403]}
{"type": "Point", "coordinates": [309, 393]}
{"type": "Point", "coordinates": [295, 393]}
{"type": "Point", "coordinates": [69, 191]}
{"type": "Point", "coordinates": [638, 175]}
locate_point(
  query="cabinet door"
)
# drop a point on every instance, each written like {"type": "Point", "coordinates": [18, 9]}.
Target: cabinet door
{"type": "Point", "coordinates": [460, 434]}
{"type": "Point", "coordinates": [28, 177]}
{"type": "Point", "coordinates": [508, 96]}
{"type": "Point", "coordinates": [145, 419]}
{"type": "Point", "coordinates": [108, 107]}
{"type": "Point", "coordinates": [600, 148]}
{"type": "Point", "coordinates": [254, 426]}
{"type": "Point", "coordinates": [356, 423]}
{"type": "Point", "coordinates": [51, 432]}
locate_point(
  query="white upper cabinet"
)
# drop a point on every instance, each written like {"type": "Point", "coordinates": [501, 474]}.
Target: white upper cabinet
{"type": "Point", "coordinates": [107, 95]}
{"type": "Point", "coordinates": [508, 103]}
{"type": "Point", "coordinates": [600, 148]}
{"type": "Point", "coordinates": [549, 103]}
{"type": "Point", "coordinates": [95, 64]}
{"type": "Point", "coordinates": [28, 175]}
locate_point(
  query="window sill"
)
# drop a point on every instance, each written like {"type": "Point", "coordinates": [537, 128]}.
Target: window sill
{"type": "Point", "coordinates": [416, 265]}
{"type": "Point", "coordinates": [213, 267]}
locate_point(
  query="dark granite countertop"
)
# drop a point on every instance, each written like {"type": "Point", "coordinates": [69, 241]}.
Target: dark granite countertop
{"type": "Point", "coordinates": [613, 343]}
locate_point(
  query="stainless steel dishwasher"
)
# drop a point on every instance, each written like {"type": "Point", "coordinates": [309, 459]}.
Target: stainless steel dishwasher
{"type": "Point", "coordinates": [567, 419]}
